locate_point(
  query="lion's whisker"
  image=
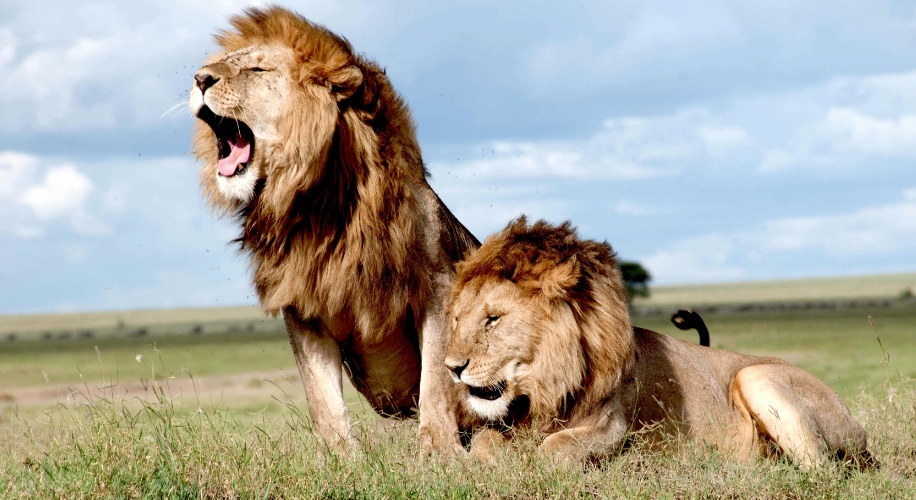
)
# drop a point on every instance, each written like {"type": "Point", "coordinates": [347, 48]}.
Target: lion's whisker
{"type": "Point", "coordinates": [235, 117]}
{"type": "Point", "coordinates": [176, 109]}
{"type": "Point", "coordinates": [255, 113]}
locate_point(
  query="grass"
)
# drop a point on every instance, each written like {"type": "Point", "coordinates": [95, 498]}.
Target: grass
{"type": "Point", "coordinates": [140, 429]}
{"type": "Point", "coordinates": [125, 321]}
{"type": "Point", "coordinates": [112, 447]}
{"type": "Point", "coordinates": [29, 363]}
{"type": "Point", "coordinates": [243, 372]}
{"type": "Point", "coordinates": [837, 346]}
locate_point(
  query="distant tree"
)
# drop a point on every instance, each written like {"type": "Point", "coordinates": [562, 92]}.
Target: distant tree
{"type": "Point", "coordinates": [637, 279]}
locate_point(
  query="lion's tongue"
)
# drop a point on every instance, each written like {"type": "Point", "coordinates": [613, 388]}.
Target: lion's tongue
{"type": "Point", "coordinates": [239, 153]}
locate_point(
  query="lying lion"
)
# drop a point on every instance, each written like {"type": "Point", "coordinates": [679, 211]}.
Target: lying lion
{"type": "Point", "coordinates": [541, 337]}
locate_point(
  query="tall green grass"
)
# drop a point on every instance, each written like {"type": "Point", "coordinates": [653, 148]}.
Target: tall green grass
{"type": "Point", "coordinates": [114, 447]}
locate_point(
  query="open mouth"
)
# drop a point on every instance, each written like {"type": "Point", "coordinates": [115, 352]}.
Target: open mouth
{"type": "Point", "coordinates": [234, 142]}
{"type": "Point", "coordinates": [489, 393]}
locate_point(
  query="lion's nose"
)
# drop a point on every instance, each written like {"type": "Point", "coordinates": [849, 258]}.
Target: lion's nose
{"type": "Point", "coordinates": [204, 80]}
{"type": "Point", "coordinates": [457, 367]}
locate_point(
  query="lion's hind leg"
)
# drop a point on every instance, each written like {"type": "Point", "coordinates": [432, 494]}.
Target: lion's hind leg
{"type": "Point", "coordinates": [806, 419]}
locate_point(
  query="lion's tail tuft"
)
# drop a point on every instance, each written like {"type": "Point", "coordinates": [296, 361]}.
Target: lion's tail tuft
{"type": "Point", "coordinates": [686, 319]}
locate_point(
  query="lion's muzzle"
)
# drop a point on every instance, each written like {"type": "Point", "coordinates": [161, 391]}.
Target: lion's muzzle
{"type": "Point", "coordinates": [204, 80]}
{"type": "Point", "coordinates": [234, 141]}
{"type": "Point", "coordinates": [489, 393]}
{"type": "Point", "coordinates": [456, 367]}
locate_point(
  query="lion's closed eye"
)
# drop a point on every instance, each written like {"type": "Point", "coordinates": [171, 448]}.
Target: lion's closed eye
{"type": "Point", "coordinates": [492, 320]}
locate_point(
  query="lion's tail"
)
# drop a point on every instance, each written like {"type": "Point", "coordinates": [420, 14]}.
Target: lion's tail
{"type": "Point", "coordinates": [686, 319]}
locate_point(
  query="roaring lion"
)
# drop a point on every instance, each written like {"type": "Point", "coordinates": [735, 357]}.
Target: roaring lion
{"type": "Point", "coordinates": [310, 148]}
{"type": "Point", "coordinates": [541, 338]}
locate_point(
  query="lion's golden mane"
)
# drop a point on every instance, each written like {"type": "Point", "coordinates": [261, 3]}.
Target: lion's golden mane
{"type": "Point", "coordinates": [334, 218]}
{"type": "Point", "coordinates": [554, 267]}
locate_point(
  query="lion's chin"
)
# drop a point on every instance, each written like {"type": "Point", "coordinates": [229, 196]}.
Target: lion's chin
{"type": "Point", "coordinates": [490, 403]}
{"type": "Point", "coordinates": [239, 187]}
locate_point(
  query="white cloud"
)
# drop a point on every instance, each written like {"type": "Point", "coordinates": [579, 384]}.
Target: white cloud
{"type": "Point", "coordinates": [527, 160]}
{"type": "Point", "coordinates": [721, 140]}
{"type": "Point", "coordinates": [855, 131]}
{"type": "Point", "coordinates": [695, 260]}
{"type": "Point", "coordinates": [42, 89]}
{"type": "Point", "coordinates": [7, 47]}
{"type": "Point", "coordinates": [695, 80]}
{"type": "Point", "coordinates": [846, 122]}
{"type": "Point", "coordinates": [25, 231]}
{"type": "Point", "coordinates": [160, 247]}
{"type": "Point", "coordinates": [101, 65]}
{"type": "Point", "coordinates": [76, 66]}
{"type": "Point", "coordinates": [647, 140]}
{"type": "Point", "coordinates": [627, 148]}
{"type": "Point", "coordinates": [484, 205]}
{"type": "Point", "coordinates": [484, 219]}
{"type": "Point", "coordinates": [776, 160]}
{"type": "Point", "coordinates": [488, 184]}
{"type": "Point", "coordinates": [867, 232]}
{"type": "Point", "coordinates": [629, 38]}
{"type": "Point", "coordinates": [63, 191]}
{"type": "Point", "coordinates": [14, 167]}
{"type": "Point", "coordinates": [702, 47]}
{"type": "Point", "coordinates": [28, 204]}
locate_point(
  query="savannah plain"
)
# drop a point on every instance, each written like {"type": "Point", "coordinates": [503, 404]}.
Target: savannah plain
{"type": "Point", "coordinates": [208, 404]}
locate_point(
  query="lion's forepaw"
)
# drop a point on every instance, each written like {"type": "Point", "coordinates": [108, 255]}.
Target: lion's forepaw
{"type": "Point", "coordinates": [436, 442]}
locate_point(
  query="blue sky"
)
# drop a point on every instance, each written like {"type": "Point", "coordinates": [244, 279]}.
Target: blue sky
{"type": "Point", "coordinates": [712, 141]}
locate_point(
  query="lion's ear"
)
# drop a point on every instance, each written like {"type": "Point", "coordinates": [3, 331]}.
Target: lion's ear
{"type": "Point", "coordinates": [555, 282]}
{"type": "Point", "coordinates": [345, 81]}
